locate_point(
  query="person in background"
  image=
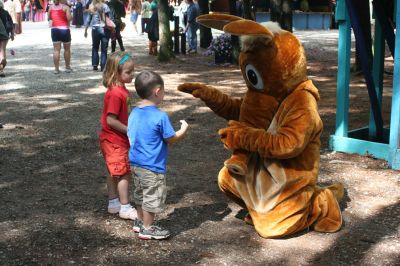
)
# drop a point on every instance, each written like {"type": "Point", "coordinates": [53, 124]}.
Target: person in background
{"type": "Point", "coordinates": [100, 34]}
{"type": "Point", "coordinates": [150, 133]}
{"type": "Point", "coordinates": [27, 10]}
{"type": "Point", "coordinates": [77, 17]}
{"type": "Point", "coordinates": [192, 26]}
{"type": "Point", "coordinates": [12, 7]}
{"type": "Point", "coordinates": [135, 7]}
{"type": "Point", "coordinates": [239, 8]}
{"type": "Point", "coordinates": [59, 16]}
{"type": "Point", "coordinates": [37, 7]}
{"type": "Point", "coordinates": [6, 33]}
{"type": "Point", "coordinates": [114, 142]}
{"type": "Point", "coordinates": [182, 15]}
{"type": "Point", "coordinates": [145, 14]}
{"type": "Point", "coordinates": [117, 9]}
{"type": "Point", "coordinates": [152, 29]}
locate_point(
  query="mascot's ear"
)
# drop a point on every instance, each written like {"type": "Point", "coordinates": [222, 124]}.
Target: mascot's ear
{"type": "Point", "coordinates": [216, 21]}
{"type": "Point", "coordinates": [247, 27]}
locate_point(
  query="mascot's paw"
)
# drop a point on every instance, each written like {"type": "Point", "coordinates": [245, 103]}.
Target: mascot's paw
{"type": "Point", "coordinates": [191, 88]}
{"type": "Point", "coordinates": [236, 166]}
{"type": "Point", "coordinates": [337, 191]}
{"type": "Point", "coordinates": [231, 135]}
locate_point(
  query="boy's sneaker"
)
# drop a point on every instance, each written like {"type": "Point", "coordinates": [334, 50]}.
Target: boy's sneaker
{"type": "Point", "coordinates": [137, 225]}
{"type": "Point", "coordinates": [128, 213]}
{"type": "Point", "coordinates": [154, 232]}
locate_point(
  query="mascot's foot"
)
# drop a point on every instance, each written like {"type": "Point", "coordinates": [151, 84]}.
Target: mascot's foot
{"type": "Point", "coordinates": [248, 219]}
{"type": "Point", "coordinates": [236, 167]}
{"type": "Point", "coordinates": [337, 191]}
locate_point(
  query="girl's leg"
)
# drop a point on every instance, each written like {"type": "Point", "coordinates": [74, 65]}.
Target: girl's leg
{"type": "Point", "coordinates": [143, 24]}
{"type": "Point", "coordinates": [67, 54]}
{"type": "Point", "coordinates": [114, 206]}
{"type": "Point", "coordinates": [56, 56]}
{"type": "Point", "coordinates": [112, 184]}
{"type": "Point", "coordinates": [123, 189]}
{"type": "Point", "coordinates": [3, 45]}
{"type": "Point", "coordinates": [119, 39]}
{"type": "Point", "coordinates": [95, 47]}
{"type": "Point", "coordinates": [127, 211]}
{"type": "Point", "coordinates": [104, 46]}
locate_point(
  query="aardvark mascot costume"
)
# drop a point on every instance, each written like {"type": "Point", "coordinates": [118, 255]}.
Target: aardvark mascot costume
{"type": "Point", "coordinates": [273, 132]}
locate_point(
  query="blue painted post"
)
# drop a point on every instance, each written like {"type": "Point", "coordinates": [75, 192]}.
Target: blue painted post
{"type": "Point", "coordinates": [343, 77]}
{"type": "Point", "coordinates": [394, 156]}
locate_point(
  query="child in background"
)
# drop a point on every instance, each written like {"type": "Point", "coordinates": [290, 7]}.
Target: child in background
{"type": "Point", "coordinates": [152, 29]}
{"type": "Point", "coordinates": [114, 142]}
{"type": "Point", "coordinates": [149, 132]}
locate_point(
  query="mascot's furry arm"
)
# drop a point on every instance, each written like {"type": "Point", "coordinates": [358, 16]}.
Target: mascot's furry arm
{"type": "Point", "coordinates": [220, 103]}
{"type": "Point", "coordinates": [289, 133]}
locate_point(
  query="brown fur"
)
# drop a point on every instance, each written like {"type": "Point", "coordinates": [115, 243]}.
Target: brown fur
{"type": "Point", "coordinates": [274, 133]}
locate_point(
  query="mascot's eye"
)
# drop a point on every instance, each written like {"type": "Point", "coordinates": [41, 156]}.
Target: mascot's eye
{"type": "Point", "coordinates": [254, 77]}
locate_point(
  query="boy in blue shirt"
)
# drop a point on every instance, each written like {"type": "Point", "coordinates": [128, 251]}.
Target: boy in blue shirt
{"type": "Point", "coordinates": [149, 133]}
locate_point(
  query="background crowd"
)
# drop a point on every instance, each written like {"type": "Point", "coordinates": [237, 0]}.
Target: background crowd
{"type": "Point", "coordinates": [94, 14]}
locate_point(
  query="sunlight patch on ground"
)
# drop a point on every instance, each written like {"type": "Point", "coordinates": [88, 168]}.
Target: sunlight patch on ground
{"type": "Point", "coordinates": [10, 126]}
{"type": "Point", "coordinates": [322, 79]}
{"type": "Point", "coordinates": [12, 86]}
{"type": "Point", "coordinates": [64, 106]}
{"type": "Point", "coordinates": [93, 90]}
{"type": "Point", "coordinates": [175, 107]}
{"type": "Point", "coordinates": [49, 169]}
{"type": "Point", "coordinates": [202, 110]}
{"type": "Point", "coordinates": [48, 102]}
{"type": "Point", "coordinates": [53, 96]}
{"type": "Point", "coordinates": [4, 185]}
{"type": "Point", "coordinates": [79, 137]}
{"type": "Point", "coordinates": [12, 233]}
{"type": "Point", "coordinates": [388, 248]}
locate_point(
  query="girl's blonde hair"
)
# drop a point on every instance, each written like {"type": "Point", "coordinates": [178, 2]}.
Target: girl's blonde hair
{"type": "Point", "coordinates": [113, 67]}
{"type": "Point", "coordinates": [95, 5]}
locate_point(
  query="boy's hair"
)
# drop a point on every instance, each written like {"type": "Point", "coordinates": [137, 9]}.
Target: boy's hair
{"type": "Point", "coordinates": [146, 81]}
{"type": "Point", "coordinates": [113, 67]}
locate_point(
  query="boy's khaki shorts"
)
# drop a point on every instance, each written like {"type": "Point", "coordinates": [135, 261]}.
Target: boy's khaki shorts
{"type": "Point", "coordinates": [116, 158]}
{"type": "Point", "coordinates": [149, 189]}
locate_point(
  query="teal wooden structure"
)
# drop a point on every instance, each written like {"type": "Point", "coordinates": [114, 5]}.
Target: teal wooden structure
{"type": "Point", "coordinates": [374, 139]}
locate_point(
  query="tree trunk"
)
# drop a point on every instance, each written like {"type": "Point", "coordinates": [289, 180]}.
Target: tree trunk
{"type": "Point", "coordinates": [363, 11]}
{"type": "Point", "coordinates": [205, 33]}
{"type": "Point", "coordinates": [166, 52]}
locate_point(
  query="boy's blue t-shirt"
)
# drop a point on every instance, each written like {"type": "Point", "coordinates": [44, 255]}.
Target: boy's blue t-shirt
{"type": "Point", "coordinates": [147, 129]}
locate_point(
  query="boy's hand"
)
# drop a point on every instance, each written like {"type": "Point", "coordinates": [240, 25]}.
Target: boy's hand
{"type": "Point", "coordinates": [184, 125]}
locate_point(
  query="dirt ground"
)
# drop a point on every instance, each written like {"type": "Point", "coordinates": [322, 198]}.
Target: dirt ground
{"type": "Point", "coordinates": [52, 176]}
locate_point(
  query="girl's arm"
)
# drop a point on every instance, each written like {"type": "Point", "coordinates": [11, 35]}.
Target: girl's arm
{"type": "Point", "coordinates": [114, 123]}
